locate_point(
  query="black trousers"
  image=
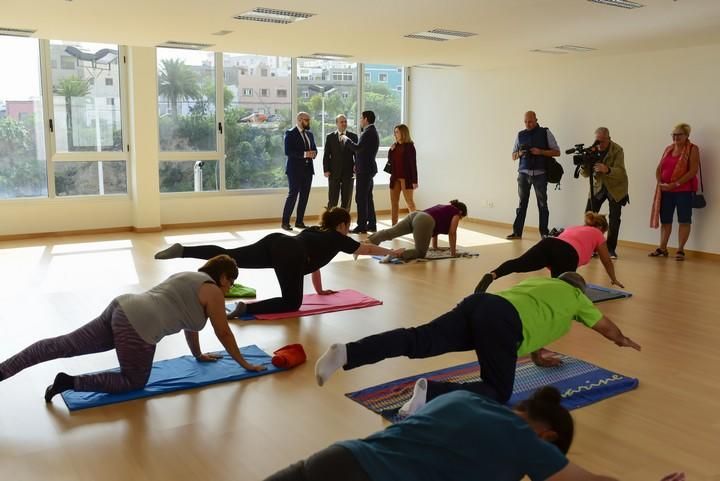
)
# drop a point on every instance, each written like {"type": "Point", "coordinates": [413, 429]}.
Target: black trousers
{"type": "Point", "coordinates": [485, 323]}
{"type": "Point", "coordinates": [276, 251]}
{"type": "Point", "coordinates": [340, 187]}
{"type": "Point", "coordinates": [366, 219]}
{"type": "Point", "coordinates": [615, 214]}
{"type": "Point", "coordinates": [299, 185]}
{"type": "Point", "coordinates": [550, 252]}
{"type": "Point", "coordinates": [331, 464]}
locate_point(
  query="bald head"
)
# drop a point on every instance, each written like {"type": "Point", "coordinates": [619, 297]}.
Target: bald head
{"type": "Point", "coordinates": [530, 120]}
{"type": "Point", "coordinates": [303, 120]}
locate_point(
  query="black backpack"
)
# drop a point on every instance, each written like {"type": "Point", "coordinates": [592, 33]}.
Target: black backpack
{"type": "Point", "coordinates": [554, 171]}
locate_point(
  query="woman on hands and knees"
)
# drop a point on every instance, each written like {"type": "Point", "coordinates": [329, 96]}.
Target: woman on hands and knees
{"type": "Point", "coordinates": [292, 257]}
{"type": "Point", "coordinates": [134, 323]}
{"type": "Point", "coordinates": [573, 248]}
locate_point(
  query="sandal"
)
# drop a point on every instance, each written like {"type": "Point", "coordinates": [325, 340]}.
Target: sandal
{"type": "Point", "coordinates": [659, 253]}
{"type": "Point", "coordinates": [680, 256]}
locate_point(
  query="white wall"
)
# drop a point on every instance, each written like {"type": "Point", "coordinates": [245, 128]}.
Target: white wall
{"type": "Point", "coordinates": [464, 123]}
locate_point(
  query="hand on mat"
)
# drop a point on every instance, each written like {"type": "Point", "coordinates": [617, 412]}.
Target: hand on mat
{"type": "Point", "coordinates": [627, 342]}
{"type": "Point", "coordinates": [327, 292]}
{"type": "Point", "coordinates": [544, 358]}
{"type": "Point", "coordinates": [397, 252]}
{"type": "Point", "coordinates": [674, 477]}
{"type": "Point", "coordinates": [617, 283]}
{"type": "Point", "coordinates": [208, 357]}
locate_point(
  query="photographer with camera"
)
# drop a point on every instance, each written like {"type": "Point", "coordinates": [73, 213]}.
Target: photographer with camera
{"type": "Point", "coordinates": [533, 147]}
{"type": "Point", "coordinates": [606, 163]}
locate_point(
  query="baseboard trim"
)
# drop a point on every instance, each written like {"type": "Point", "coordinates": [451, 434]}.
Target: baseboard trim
{"type": "Point", "coordinates": [624, 243]}
{"type": "Point", "coordinates": [149, 230]}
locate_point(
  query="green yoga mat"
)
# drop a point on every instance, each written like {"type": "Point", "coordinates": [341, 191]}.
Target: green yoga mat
{"type": "Point", "coordinates": [240, 291]}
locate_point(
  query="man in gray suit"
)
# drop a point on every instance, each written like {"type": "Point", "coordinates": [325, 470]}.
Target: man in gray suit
{"type": "Point", "coordinates": [339, 165]}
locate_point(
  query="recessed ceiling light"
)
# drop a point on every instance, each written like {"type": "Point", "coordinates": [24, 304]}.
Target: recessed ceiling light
{"type": "Point", "coordinates": [329, 56]}
{"type": "Point", "coordinates": [440, 35]}
{"type": "Point", "coordinates": [16, 32]}
{"type": "Point", "coordinates": [575, 48]}
{"type": "Point", "coordinates": [619, 3]}
{"type": "Point", "coordinates": [220, 33]}
{"type": "Point", "coordinates": [550, 52]}
{"type": "Point", "coordinates": [273, 15]}
{"type": "Point", "coordinates": [185, 45]}
{"type": "Point", "coordinates": [437, 65]}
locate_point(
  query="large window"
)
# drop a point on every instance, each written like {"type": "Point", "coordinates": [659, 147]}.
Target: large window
{"type": "Point", "coordinates": [326, 88]}
{"type": "Point", "coordinates": [254, 126]}
{"type": "Point", "coordinates": [383, 94]}
{"type": "Point", "coordinates": [88, 147]}
{"type": "Point", "coordinates": [23, 168]}
{"type": "Point", "coordinates": [189, 129]}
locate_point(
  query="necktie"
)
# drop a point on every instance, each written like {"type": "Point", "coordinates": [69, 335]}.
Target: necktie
{"type": "Point", "coordinates": [305, 140]}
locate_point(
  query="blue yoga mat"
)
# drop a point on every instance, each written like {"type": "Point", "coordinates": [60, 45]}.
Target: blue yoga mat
{"type": "Point", "coordinates": [580, 384]}
{"type": "Point", "coordinates": [601, 294]}
{"type": "Point", "coordinates": [178, 374]}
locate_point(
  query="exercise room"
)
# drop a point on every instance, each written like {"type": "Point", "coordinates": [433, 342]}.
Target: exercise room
{"type": "Point", "coordinates": [369, 241]}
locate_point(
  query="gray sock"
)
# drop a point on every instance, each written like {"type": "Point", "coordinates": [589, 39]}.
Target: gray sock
{"type": "Point", "coordinates": [172, 252]}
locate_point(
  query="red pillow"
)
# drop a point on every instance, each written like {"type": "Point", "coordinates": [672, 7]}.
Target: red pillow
{"type": "Point", "coordinates": [289, 356]}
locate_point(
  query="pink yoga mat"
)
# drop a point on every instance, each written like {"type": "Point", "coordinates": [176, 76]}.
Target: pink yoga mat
{"type": "Point", "coordinates": [316, 304]}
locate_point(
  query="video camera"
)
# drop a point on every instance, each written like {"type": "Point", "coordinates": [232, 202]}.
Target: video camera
{"type": "Point", "coordinates": [583, 158]}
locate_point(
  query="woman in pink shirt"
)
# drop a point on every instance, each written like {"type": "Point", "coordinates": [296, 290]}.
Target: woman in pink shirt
{"type": "Point", "coordinates": [564, 253]}
{"type": "Point", "coordinates": [676, 182]}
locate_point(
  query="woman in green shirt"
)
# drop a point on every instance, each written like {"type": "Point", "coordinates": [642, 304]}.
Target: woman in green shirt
{"type": "Point", "coordinates": [498, 327]}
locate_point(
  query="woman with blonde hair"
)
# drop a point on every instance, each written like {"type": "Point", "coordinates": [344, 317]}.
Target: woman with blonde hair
{"type": "Point", "coordinates": [573, 248]}
{"type": "Point", "coordinates": [676, 182]}
{"type": "Point", "coordinates": [403, 171]}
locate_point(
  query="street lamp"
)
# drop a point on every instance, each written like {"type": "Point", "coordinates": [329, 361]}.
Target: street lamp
{"type": "Point", "coordinates": [324, 90]}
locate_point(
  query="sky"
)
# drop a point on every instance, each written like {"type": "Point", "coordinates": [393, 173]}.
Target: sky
{"type": "Point", "coordinates": [20, 78]}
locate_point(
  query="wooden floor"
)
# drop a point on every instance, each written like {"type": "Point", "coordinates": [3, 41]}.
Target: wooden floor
{"type": "Point", "coordinates": [247, 430]}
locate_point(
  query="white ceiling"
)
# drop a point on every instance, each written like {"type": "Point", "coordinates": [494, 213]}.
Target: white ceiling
{"type": "Point", "coordinates": [372, 30]}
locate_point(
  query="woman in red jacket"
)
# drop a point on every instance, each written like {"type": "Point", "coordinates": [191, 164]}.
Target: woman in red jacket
{"type": "Point", "coordinates": [403, 176]}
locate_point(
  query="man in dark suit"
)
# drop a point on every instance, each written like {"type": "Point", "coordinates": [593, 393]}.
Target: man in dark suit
{"type": "Point", "coordinates": [300, 150]}
{"type": "Point", "coordinates": [365, 149]}
{"type": "Point", "coordinates": [339, 165]}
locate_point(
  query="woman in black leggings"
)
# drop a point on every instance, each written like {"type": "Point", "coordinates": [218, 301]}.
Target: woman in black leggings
{"type": "Point", "coordinates": [292, 257]}
{"type": "Point", "coordinates": [573, 248]}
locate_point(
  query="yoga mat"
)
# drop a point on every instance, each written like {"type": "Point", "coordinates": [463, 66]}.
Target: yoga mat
{"type": "Point", "coordinates": [600, 294]}
{"type": "Point", "coordinates": [240, 291]}
{"type": "Point", "coordinates": [579, 382]}
{"type": "Point", "coordinates": [432, 256]}
{"type": "Point", "coordinates": [343, 300]}
{"type": "Point", "coordinates": [178, 374]}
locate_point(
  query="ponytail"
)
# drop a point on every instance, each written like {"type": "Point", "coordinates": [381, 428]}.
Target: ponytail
{"type": "Point", "coordinates": [332, 218]}
{"type": "Point", "coordinates": [593, 219]}
{"type": "Point", "coordinates": [544, 407]}
{"type": "Point", "coordinates": [459, 206]}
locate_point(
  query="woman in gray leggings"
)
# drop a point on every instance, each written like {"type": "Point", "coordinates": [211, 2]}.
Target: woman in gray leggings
{"type": "Point", "coordinates": [425, 225]}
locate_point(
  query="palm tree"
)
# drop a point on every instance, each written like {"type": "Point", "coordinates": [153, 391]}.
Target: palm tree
{"type": "Point", "coordinates": [69, 88]}
{"type": "Point", "coordinates": [177, 82]}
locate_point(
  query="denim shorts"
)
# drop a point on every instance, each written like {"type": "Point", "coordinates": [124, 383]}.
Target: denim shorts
{"type": "Point", "coordinates": [669, 201]}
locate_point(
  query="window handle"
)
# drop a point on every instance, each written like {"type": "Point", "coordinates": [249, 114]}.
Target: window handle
{"type": "Point", "coordinates": [52, 127]}
{"type": "Point", "coordinates": [220, 127]}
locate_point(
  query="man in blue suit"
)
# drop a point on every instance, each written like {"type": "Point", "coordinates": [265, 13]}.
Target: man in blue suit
{"type": "Point", "coordinates": [300, 150]}
{"type": "Point", "coordinates": [365, 150]}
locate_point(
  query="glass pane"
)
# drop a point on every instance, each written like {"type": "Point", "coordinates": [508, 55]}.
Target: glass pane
{"type": "Point", "coordinates": [86, 178]}
{"type": "Point", "coordinates": [86, 97]}
{"type": "Point", "coordinates": [189, 176]}
{"type": "Point", "coordinates": [326, 89]}
{"type": "Point", "coordinates": [186, 100]}
{"type": "Point", "coordinates": [23, 170]}
{"type": "Point", "coordinates": [383, 94]}
{"type": "Point", "coordinates": [257, 113]}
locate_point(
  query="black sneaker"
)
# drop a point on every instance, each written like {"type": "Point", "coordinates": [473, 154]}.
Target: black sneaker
{"type": "Point", "coordinates": [287, 227]}
{"type": "Point", "coordinates": [359, 230]}
{"type": "Point", "coordinates": [613, 255]}
{"type": "Point", "coordinates": [513, 236]}
{"type": "Point", "coordinates": [372, 229]}
{"type": "Point", "coordinates": [300, 225]}
{"type": "Point", "coordinates": [484, 283]}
